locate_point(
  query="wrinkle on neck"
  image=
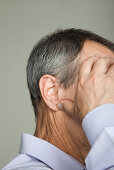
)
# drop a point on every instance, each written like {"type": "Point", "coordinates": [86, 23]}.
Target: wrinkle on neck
{"type": "Point", "coordinates": [63, 132]}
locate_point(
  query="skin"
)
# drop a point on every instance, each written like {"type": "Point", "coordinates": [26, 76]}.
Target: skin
{"type": "Point", "coordinates": [62, 110]}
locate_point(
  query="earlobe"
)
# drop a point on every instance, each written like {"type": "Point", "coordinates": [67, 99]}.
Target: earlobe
{"type": "Point", "coordinates": [49, 90]}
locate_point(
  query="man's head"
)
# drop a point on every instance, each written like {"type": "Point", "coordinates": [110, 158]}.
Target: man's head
{"type": "Point", "coordinates": [53, 65]}
{"type": "Point", "coordinates": [52, 75]}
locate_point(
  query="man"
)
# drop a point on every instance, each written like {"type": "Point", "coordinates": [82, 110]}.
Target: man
{"type": "Point", "coordinates": [70, 76]}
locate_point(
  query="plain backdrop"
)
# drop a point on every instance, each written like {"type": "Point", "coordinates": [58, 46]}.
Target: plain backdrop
{"type": "Point", "coordinates": [22, 24]}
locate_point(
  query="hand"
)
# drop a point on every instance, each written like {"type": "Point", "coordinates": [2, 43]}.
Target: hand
{"type": "Point", "coordinates": [95, 84]}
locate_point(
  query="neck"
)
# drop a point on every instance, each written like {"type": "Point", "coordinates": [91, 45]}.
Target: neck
{"type": "Point", "coordinates": [64, 133]}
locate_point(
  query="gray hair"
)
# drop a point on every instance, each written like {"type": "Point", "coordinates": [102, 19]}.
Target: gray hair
{"type": "Point", "coordinates": [55, 54]}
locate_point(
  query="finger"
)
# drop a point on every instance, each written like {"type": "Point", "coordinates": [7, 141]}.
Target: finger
{"type": "Point", "coordinates": [86, 67]}
{"type": "Point", "coordinates": [102, 65]}
{"type": "Point", "coordinates": [110, 71]}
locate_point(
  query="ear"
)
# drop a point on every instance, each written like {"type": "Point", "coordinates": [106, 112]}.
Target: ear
{"type": "Point", "coordinates": [49, 90]}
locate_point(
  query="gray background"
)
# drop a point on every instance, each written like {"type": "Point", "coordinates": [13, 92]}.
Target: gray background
{"type": "Point", "coordinates": [22, 24]}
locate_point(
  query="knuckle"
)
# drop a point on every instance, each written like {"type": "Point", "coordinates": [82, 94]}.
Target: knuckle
{"type": "Point", "coordinates": [85, 63]}
{"type": "Point", "coordinates": [81, 82]}
{"type": "Point", "coordinates": [102, 60]}
{"type": "Point", "coordinates": [94, 79]}
{"type": "Point", "coordinates": [109, 79]}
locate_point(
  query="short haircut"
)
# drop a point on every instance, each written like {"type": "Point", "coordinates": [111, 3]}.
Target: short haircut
{"type": "Point", "coordinates": [55, 54]}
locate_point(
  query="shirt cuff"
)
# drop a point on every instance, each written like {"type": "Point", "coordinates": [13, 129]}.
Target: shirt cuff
{"type": "Point", "coordinates": [96, 120]}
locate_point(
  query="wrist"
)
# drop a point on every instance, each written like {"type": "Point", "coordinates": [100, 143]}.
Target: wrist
{"type": "Point", "coordinates": [96, 120]}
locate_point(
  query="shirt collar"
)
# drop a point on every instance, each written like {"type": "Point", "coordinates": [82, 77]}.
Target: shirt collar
{"type": "Point", "coordinates": [48, 153]}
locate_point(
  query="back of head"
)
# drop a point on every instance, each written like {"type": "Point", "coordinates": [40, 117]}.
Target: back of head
{"type": "Point", "coordinates": [55, 55]}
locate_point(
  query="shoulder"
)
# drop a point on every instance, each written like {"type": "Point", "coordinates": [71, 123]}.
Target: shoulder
{"type": "Point", "coordinates": [25, 162]}
{"type": "Point", "coordinates": [30, 168]}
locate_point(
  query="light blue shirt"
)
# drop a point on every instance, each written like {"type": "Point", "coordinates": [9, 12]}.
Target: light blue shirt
{"type": "Point", "coordinates": [37, 154]}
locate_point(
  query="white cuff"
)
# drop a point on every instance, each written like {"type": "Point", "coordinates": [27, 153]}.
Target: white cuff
{"type": "Point", "coordinates": [96, 120]}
